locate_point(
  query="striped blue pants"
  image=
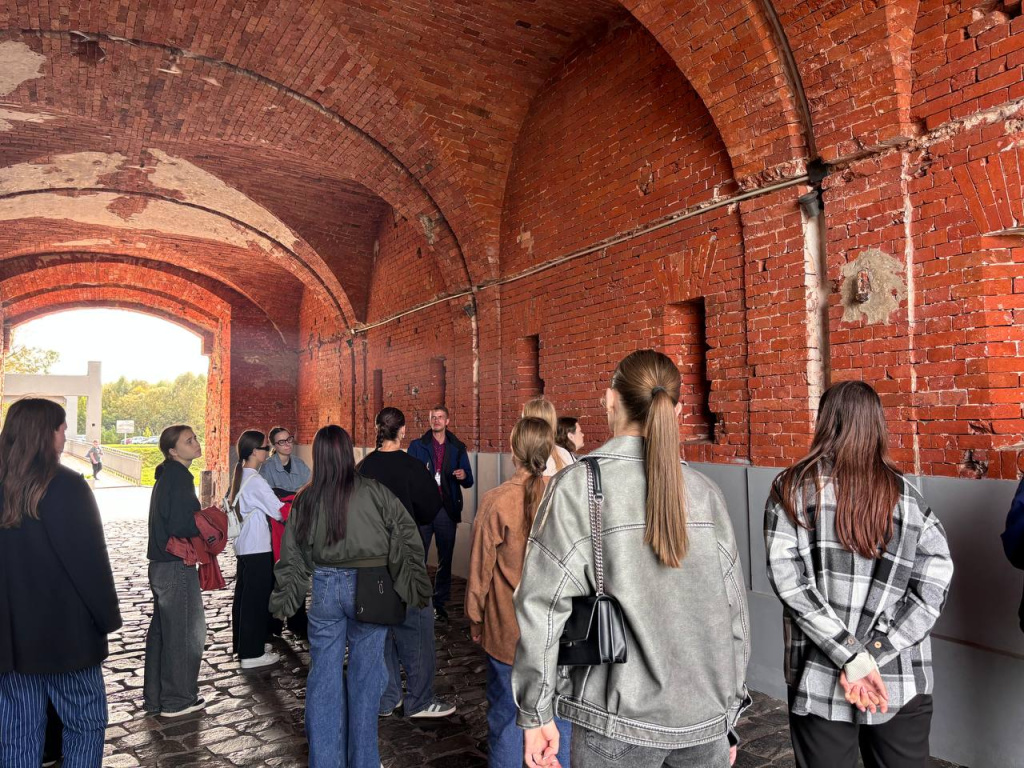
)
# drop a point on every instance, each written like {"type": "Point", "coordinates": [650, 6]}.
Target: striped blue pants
{"type": "Point", "coordinates": [79, 698]}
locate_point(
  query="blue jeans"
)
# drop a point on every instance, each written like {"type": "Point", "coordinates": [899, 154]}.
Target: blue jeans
{"type": "Point", "coordinates": [411, 645]}
{"type": "Point", "coordinates": [79, 698]}
{"type": "Point", "coordinates": [341, 708]}
{"type": "Point", "coordinates": [504, 737]}
{"type": "Point", "coordinates": [442, 527]}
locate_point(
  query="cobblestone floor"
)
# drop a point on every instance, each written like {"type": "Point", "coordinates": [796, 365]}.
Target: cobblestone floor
{"type": "Point", "coordinates": [256, 718]}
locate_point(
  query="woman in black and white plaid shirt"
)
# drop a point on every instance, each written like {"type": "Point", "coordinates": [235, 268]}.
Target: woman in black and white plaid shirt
{"type": "Point", "coordinates": [862, 567]}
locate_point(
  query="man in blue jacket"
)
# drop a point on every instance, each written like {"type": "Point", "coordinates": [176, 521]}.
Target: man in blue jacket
{"type": "Point", "coordinates": [1013, 538]}
{"type": "Point", "coordinates": [448, 461]}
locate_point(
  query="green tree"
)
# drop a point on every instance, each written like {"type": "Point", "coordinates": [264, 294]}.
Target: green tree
{"type": "Point", "coordinates": [155, 406]}
{"type": "Point", "coordinates": [22, 359]}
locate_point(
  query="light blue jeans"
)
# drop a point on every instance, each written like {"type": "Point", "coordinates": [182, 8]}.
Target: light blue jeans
{"type": "Point", "coordinates": [411, 645]}
{"type": "Point", "coordinates": [504, 737]}
{"type": "Point", "coordinates": [341, 708]}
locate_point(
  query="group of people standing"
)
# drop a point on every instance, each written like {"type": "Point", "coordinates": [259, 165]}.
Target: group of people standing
{"type": "Point", "coordinates": [858, 560]}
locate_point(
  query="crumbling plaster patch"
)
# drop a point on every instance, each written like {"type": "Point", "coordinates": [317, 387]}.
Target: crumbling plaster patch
{"type": "Point", "coordinates": [79, 170]}
{"type": "Point", "coordinates": [18, 63]}
{"type": "Point", "coordinates": [203, 188]}
{"type": "Point", "coordinates": [8, 117]}
{"type": "Point", "coordinates": [161, 216]}
{"type": "Point", "coordinates": [888, 287]}
{"type": "Point", "coordinates": [174, 176]}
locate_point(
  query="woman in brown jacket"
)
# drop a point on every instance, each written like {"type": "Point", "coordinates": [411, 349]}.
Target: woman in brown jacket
{"type": "Point", "coordinates": [500, 532]}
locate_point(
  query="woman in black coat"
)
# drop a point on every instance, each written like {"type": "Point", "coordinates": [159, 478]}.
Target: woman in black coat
{"type": "Point", "coordinates": [57, 596]}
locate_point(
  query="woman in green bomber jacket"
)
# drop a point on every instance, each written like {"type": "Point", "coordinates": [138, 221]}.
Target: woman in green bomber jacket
{"type": "Point", "coordinates": [343, 522]}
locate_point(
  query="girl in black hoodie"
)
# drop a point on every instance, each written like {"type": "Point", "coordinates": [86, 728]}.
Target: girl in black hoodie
{"type": "Point", "coordinates": [177, 631]}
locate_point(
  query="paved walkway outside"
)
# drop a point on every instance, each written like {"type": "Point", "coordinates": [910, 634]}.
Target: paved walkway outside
{"type": "Point", "coordinates": [256, 718]}
{"type": "Point", "coordinates": [105, 480]}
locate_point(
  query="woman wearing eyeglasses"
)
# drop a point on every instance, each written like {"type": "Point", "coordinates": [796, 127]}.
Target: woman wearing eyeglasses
{"type": "Point", "coordinates": [283, 471]}
{"type": "Point", "coordinates": [286, 474]}
{"type": "Point", "coordinates": [254, 579]}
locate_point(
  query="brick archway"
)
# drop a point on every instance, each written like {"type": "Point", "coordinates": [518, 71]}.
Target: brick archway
{"type": "Point", "coordinates": [39, 293]}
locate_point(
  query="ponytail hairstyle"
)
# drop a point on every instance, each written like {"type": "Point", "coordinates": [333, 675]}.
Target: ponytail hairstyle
{"type": "Point", "coordinates": [851, 450]}
{"type": "Point", "coordinates": [248, 442]}
{"type": "Point", "coordinates": [648, 386]}
{"type": "Point", "coordinates": [330, 486]}
{"type": "Point", "coordinates": [566, 426]}
{"type": "Point", "coordinates": [539, 408]}
{"type": "Point", "coordinates": [28, 457]}
{"type": "Point", "coordinates": [389, 423]}
{"type": "Point", "coordinates": [532, 443]}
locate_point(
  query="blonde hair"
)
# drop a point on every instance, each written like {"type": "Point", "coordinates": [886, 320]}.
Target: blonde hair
{"type": "Point", "coordinates": [648, 386]}
{"type": "Point", "coordinates": [539, 408]}
{"type": "Point", "coordinates": [532, 442]}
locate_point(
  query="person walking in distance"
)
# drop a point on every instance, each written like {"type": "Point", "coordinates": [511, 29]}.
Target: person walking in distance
{"type": "Point", "coordinates": [95, 457]}
{"type": "Point", "coordinates": [448, 461]}
{"type": "Point", "coordinates": [671, 562]}
{"type": "Point", "coordinates": [862, 568]}
{"type": "Point", "coordinates": [177, 630]}
{"type": "Point", "coordinates": [253, 500]}
{"type": "Point", "coordinates": [501, 529]}
{"type": "Point", "coordinates": [57, 597]}
{"type": "Point", "coordinates": [343, 524]}
{"type": "Point", "coordinates": [411, 643]}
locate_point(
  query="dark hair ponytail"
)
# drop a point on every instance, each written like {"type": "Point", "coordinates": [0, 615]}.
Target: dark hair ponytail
{"type": "Point", "coordinates": [389, 423]}
{"type": "Point", "coordinates": [248, 442]}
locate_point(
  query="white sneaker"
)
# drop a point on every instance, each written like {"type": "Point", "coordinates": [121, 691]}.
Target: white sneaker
{"type": "Point", "coordinates": [436, 708]}
{"type": "Point", "coordinates": [265, 660]}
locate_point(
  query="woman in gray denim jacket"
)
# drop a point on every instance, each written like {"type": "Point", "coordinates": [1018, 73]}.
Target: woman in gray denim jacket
{"type": "Point", "coordinates": [670, 559]}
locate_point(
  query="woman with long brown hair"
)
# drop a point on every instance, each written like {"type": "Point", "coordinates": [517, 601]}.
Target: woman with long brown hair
{"type": "Point", "coordinates": [670, 560]}
{"type": "Point", "coordinates": [57, 596]}
{"type": "Point", "coordinates": [254, 502]}
{"type": "Point", "coordinates": [862, 568]}
{"type": "Point", "coordinates": [501, 529]}
{"type": "Point", "coordinates": [342, 523]}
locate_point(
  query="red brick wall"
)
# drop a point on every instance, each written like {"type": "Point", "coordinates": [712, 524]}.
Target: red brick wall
{"type": "Point", "coordinates": [420, 161]}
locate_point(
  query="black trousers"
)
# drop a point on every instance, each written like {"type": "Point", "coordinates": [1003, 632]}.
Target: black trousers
{"type": "Point", "coordinates": [902, 742]}
{"type": "Point", "coordinates": [250, 611]}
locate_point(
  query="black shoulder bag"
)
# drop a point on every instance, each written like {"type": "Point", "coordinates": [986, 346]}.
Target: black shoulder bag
{"type": "Point", "coordinates": [595, 632]}
{"type": "Point", "coordinates": [377, 602]}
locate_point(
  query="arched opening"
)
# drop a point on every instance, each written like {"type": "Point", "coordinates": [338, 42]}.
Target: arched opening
{"type": "Point", "coordinates": [123, 372]}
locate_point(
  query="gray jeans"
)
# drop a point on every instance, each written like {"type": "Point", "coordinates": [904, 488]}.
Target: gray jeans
{"type": "Point", "coordinates": [174, 642]}
{"type": "Point", "coordinates": [592, 750]}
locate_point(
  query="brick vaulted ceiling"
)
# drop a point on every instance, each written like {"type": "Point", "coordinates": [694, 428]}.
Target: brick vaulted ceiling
{"type": "Point", "coordinates": [322, 117]}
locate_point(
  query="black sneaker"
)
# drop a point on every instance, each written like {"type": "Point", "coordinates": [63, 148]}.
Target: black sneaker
{"type": "Point", "coordinates": [199, 704]}
{"type": "Point", "coordinates": [441, 615]}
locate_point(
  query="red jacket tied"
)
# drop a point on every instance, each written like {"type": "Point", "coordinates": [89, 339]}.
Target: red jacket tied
{"type": "Point", "coordinates": [203, 549]}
